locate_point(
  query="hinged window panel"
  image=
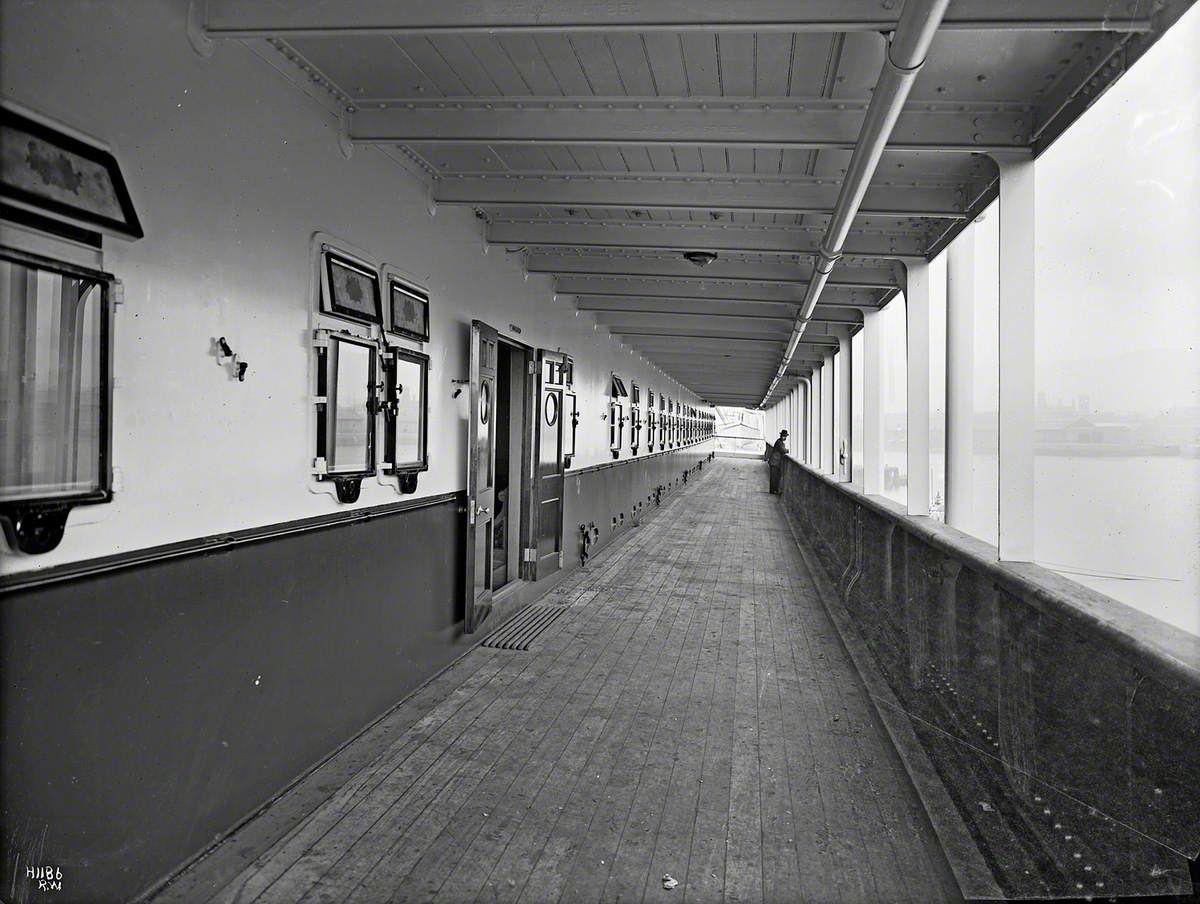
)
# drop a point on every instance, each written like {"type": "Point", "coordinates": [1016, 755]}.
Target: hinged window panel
{"type": "Point", "coordinates": [406, 411]}
{"type": "Point", "coordinates": [347, 369]}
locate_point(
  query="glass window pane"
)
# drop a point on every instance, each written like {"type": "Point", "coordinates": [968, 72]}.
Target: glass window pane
{"type": "Point", "coordinates": [856, 409]}
{"type": "Point", "coordinates": [410, 411]}
{"type": "Point", "coordinates": [893, 336]}
{"type": "Point", "coordinates": [410, 312]}
{"type": "Point", "coordinates": [937, 388]}
{"type": "Point", "coordinates": [1117, 455]}
{"type": "Point", "coordinates": [350, 444]}
{"type": "Point", "coordinates": [985, 477]}
{"type": "Point", "coordinates": [50, 383]}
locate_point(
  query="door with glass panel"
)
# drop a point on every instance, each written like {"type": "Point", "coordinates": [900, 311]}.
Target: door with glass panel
{"type": "Point", "coordinates": [481, 471]}
{"type": "Point", "coordinates": [554, 380]}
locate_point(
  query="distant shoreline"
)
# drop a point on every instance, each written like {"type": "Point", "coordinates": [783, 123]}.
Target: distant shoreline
{"type": "Point", "coordinates": [1115, 450]}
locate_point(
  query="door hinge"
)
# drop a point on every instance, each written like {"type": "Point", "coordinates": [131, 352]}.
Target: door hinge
{"type": "Point", "coordinates": [530, 554]}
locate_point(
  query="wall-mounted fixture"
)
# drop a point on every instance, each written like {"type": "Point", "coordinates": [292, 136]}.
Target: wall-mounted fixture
{"type": "Point", "coordinates": [226, 356]}
{"type": "Point", "coordinates": [570, 425]}
{"type": "Point", "coordinates": [700, 258]}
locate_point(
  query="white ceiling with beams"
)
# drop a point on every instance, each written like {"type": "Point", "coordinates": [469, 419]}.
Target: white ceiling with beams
{"type": "Point", "coordinates": [603, 139]}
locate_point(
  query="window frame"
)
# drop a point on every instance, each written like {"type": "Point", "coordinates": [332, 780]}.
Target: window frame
{"type": "Point", "coordinates": [326, 304]}
{"type": "Point", "coordinates": [347, 483]}
{"type": "Point", "coordinates": [390, 465]}
{"type": "Point", "coordinates": [616, 424]}
{"type": "Point", "coordinates": [393, 279]}
{"type": "Point", "coordinates": [650, 419]}
{"type": "Point", "coordinates": [36, 524]}
{"type": "Point", "coordinates": [635, 417]}
{"type": "Point", "coordinates": [616, 415]}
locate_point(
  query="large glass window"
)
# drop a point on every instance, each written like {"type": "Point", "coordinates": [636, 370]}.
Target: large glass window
{"type": "Point", "coordinates": [893, 337]}
{"type": "Point", "coordinates": [53, 382]}
{"type": "Point", "coordinates": [937, 388]}
{"type": "Point", "coordinates": [857, 363]}
{"type": "Point", "coordinates": [980, 516]}
{"type": "Point", "coordinates": [1117, 472]}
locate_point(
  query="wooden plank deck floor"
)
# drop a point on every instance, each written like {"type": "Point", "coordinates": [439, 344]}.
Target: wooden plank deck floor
{"type": "Point", "coordinates": [694, 714]}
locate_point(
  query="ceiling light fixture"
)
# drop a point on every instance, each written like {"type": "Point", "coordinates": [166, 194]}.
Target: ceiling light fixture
{"type": "Point", "coordinates": [700, 258]}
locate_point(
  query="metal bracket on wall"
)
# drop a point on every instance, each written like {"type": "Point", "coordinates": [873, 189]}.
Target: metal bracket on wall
{"type": "Point", "coordinates": [347, 488]}
{"type": "Point", "coordinates": [196, 35]}
{"type": "Point", "coordinates": [34, 529]}
{"type": "Point", "coordinates": [345, 144]}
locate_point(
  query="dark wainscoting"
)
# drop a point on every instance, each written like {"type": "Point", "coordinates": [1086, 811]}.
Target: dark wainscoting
{"type": "Point", "coordinates": [153, 701]}
{"type": "Point", "coordinates": [1062, 726]}
{"type": "Point", "coordinates": [600, 493]}
{"type": "Point", "coordinates": [148, 708]}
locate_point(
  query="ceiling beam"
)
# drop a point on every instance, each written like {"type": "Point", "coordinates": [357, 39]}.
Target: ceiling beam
{"type": "Point", "coordinates": [705, 290]}
{"type": "Point", "coordinates": [788, 123]}
{"type": "Point", "coordinates": [607, 316]}
{"type": "Point", "coordinates": [706, 359]}
{"type": "Point", "coordinates": [724, 268]}
{"type": "Point", "coordinates": [280, 18]}
{"type": "Point", "coordinates": [744, 375]}
{"type": "Point", "coordinates": [737, 364]}
{"type": "Point", "coordinates": [652, 343]}
{"type": "Point", "coordinates": [797, 195]}
{"type": "Point", "coordinates": [765, 334]}
{"type": "Point", "coordinates": [848, 314]}
{"type": "Point", "coordinates": [689, 236]}
{"type": "Point", "coordinates": [701, 364]}
{"type": "Point", "coordinates": [746, 355]}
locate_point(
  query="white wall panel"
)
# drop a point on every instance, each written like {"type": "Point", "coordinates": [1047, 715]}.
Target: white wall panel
{"type": "Point", "coordinates": [232, 169]}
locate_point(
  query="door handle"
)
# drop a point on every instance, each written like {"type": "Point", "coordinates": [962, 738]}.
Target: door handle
{"type": "Point", "coordinates": [482, 510]}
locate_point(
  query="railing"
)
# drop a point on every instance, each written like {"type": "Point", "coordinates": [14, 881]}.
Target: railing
{"type": "Point", "coordinates": [1064, 726]}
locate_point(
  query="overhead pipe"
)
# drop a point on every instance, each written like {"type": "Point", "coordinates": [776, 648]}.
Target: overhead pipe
{"type": "Point", "coordinates": [905, 56]}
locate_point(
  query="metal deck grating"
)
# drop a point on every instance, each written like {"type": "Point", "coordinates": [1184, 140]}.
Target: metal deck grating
{"type": "Point", "coordinates": [525, 628]}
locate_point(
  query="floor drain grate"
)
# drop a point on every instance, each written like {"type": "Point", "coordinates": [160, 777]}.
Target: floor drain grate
{"type": "Point", "coordinates": [527, 627]}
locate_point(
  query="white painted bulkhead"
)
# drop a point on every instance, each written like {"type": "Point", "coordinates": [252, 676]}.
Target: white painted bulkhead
{"type": "Point", "coordinates": [233, 168]}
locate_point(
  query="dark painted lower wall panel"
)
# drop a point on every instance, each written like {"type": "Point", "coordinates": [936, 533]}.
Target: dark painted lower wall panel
{"type": "Point", "coordinates": [597, 496]}
{"type": "Point", "coordinates": [149, 709]}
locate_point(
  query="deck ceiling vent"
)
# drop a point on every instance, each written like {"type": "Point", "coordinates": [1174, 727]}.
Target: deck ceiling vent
{"type": "Point", "coordinates": [700, 258]}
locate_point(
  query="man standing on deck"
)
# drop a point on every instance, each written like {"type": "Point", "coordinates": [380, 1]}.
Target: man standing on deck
{"type": "Point", "coordinates": [775, 461]}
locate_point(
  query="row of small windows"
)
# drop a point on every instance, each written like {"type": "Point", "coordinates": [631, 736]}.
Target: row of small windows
{"type": "Point", "coordinates": [371, 393]}
{"type": "Point", "coordinates": [671, 423]}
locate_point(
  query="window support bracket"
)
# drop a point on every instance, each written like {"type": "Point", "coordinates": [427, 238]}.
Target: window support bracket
{"type": "Point", "coordinates": [36, 527]}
